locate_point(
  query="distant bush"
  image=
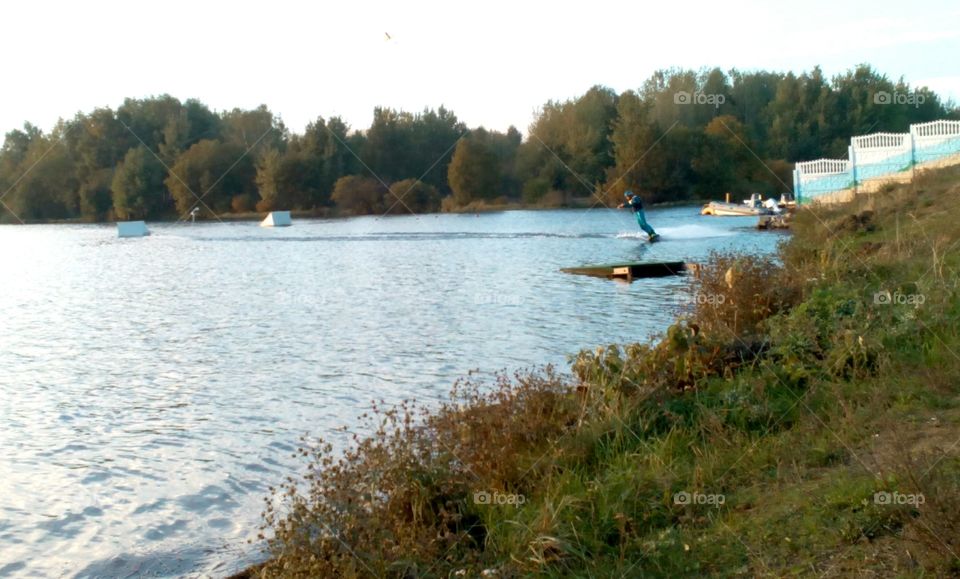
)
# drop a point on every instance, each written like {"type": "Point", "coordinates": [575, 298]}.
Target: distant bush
{"type": "Point", "coordinates": [359, 195]}
{"type": "Point", "coordinates": [535, 189]}
{"type": "Point", "coordinates": [412, 195]}
{"type": "Point", "coordinates": [243, 203]}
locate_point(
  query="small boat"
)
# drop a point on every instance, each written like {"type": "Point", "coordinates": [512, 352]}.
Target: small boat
{"type": "Point", "coordinates": [753, 206]}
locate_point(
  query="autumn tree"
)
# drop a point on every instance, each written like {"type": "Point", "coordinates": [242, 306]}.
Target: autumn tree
{"type": "Point", "coordinates": [474, 173]}
{"type": "Point", "coordinates": [359, 195]}
{"type": "Point", "coordinates": [412, 195]}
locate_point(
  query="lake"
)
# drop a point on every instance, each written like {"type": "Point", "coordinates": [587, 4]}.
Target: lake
{"type": "Point", "coordinates": [151, 389]}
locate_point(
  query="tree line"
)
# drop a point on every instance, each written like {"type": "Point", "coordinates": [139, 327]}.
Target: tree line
{"type": "Point", "coordinates": [682, 135]}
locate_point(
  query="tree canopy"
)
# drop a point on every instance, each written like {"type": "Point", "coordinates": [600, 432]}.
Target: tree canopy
{"type": "Point", "coordinates": [681, 134]}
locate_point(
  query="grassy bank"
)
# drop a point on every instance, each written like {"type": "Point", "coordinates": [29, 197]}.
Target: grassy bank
{"type": "Point", "coordinates": [800, 419]}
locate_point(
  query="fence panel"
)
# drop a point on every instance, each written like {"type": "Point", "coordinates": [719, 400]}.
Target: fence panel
{"type": "Point", "coordinates": [881, 154]}
{"type": "Point", "coordinates": [878, 156]}
{"type": "Point", "coordinates": [813, 179]}
{"type": "Point", "coordinates": [935, 141]}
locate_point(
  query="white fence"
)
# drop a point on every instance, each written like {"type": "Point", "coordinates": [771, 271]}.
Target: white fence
{"type": "Point", "coordinates": [878, 157]}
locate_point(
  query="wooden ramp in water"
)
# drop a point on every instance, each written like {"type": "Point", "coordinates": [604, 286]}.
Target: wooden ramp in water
{"type": "Point", "coordinates": [630, 271]}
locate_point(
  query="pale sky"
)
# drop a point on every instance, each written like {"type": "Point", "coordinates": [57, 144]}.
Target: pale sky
{"type": "Point", "coordinates": [493, 62]}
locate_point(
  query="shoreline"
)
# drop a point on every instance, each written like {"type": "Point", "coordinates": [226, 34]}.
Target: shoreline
{"type": "Point", "coordinates": [812, 375]}
{"type": "Point", "coordinates": [329, 213]}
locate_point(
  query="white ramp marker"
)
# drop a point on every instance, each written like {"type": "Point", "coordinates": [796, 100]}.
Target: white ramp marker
{"type": "Point", "coordinates": [132, 229]}
{"type": "Point", "coordinates": [277, 219]}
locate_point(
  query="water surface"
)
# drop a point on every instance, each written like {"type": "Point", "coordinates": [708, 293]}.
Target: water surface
{"type": "Point", "coordinates": [151, 389]}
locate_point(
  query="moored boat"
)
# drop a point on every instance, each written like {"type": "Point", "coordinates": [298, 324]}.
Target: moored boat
{"type": "Point", "coordinates": [753, 206]}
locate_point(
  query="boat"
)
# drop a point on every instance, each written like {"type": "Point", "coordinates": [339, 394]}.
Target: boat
{"type": "Point", "coordinates": [753, 206]}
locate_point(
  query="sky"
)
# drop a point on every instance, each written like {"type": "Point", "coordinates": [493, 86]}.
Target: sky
{"type": "Point", "coordinates": [493, 63]}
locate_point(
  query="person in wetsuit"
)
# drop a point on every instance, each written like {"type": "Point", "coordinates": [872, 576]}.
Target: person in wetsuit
{"type": "Point", "coordinates": [634, 202]}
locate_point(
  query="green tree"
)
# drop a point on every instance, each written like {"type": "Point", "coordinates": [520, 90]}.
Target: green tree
{"type": "Point", "coordinates": [326, 156]}
{"type": "Point", "coordinates": [633, 137]}
{"type": "Point", "coordinates": [283, 180]}
{"type": "Point", "coordinates": [214, 172]}
{"type": "Point", "coordinates": [45, 185]}
{"type": "Point", "coordinates": [722, 161]}
{"type": "Point", "coordinates": [192, 122]}
{"type": "Point", "coordinates": [573, 149]}
{"type": "Point", "coordinates": [253, 128]}
{"type": "Point", "coordinates": [138, 186]}
{"type": "Point", "coordinates": [146, 120]}
{"type": "Point", "coordinates": [97, 142]}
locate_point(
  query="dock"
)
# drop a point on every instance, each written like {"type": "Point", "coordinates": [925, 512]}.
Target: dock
{"type": "Point", "coordinates": [630, 271]}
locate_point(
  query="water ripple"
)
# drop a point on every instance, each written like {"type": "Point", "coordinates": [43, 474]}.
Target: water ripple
{"type": "Point", "coordinates": [152, 389]}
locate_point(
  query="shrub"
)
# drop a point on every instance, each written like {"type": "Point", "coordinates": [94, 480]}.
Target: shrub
{"type": "Point", "coordinates": [242, 203]}
{"type": "Point", "coordinates": [412, 195]}
{"type": "Point", "coordinates": [402, 499]}
{"type": "Point", "coordinates": [733, 295]}
{"type": "Point", "coordinates": [359, 195]}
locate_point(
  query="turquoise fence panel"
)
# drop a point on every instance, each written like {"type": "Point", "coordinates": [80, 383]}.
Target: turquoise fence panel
{"type": "Point", "coordinates": [812, 179]}
{"type": "Point", "coordinates": [937, 151]}
{"type": "Point", "coordinates": [889, 166]}
{"type": "Point", "coordinates": [877, 156]}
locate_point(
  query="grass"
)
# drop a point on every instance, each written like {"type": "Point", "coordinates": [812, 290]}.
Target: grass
{"type": "Point", "coordinates": [801, 418]}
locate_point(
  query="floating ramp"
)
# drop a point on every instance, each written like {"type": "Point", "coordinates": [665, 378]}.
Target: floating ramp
{"type": "Point", "coordinates": [132, 229]}
{"type": "Point", "coordinates": [630, 271]}
{"type": "Point", "coordinates": [277, 219]}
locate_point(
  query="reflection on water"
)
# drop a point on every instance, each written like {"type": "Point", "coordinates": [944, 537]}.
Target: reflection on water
{"type": "Point", "coordinates": [151, 389]}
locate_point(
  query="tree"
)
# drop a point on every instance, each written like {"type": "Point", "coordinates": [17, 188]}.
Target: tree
{"type": "Point", "coordinates": [399, 144]}
{"type": "Point", "coordinates": [326, 156]}
{"type": "Point", "coordinates": [213, 172]}
{"type": "Point", "coordinates": [253, 128]}
{"type": "Point", "coordinates": [104, 163]}
{"type": "Point", "coordinates": [359, 195]}
{"type": "Point", "coordinates": [138, 188]}
{"type": "Point", "coordinates": [633, 136]}
{"type": "Point", "coordinates": [413, 195]}
{"type": "Point", "coordinates": [45, 187]}
{"type": "Point", "coordinates": [94, 194]}
{"type": "Point", "coordinates": [722, 159]}
{"type": "Point", "coordinates": [193, 122]}
{"type": "Point", "coordinates": [287, 180]}
{"type": "Point", "coordinates": [16, 146]}
{"type": "Point", "coordinates": [97, 142]}
{"type": "Point", "coordinates": [505, 147]}
{"type": "Point", "coordinates": [473, 173]}
{"type": "Point", "coordinates": [573, 138]}
{"type": "Point", "coordinates": [145, 120]}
